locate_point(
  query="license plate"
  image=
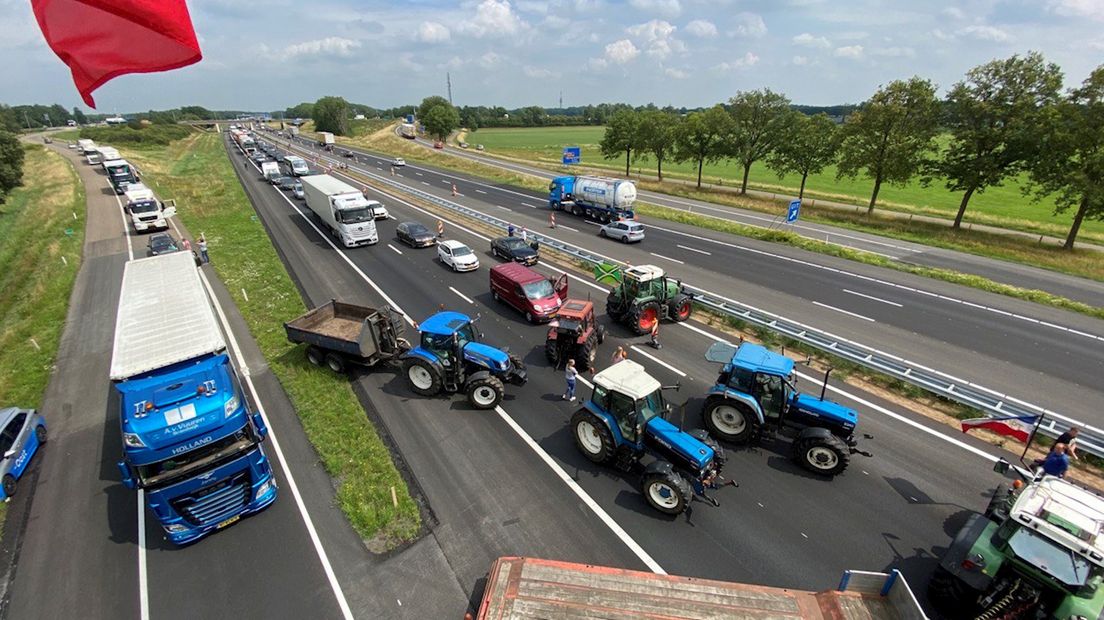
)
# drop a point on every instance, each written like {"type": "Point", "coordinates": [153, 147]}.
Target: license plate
{"type": "Point", "coordinates": [228, 522]}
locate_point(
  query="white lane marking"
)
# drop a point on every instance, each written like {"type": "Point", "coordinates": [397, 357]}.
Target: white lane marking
{"type": "Point", "coordinates": [126, 228]}
{"type": "Point", "coordinates": [501, 207]}
{"type": "Point", "coordinates": [479, 191]}
{"type": "Point", "coordinates": [394, 249]}
{"type": "Point", "coordinates": [673, 260]}
{"type": "Point", "coordinates": [244, 370]}
{"type": "Point", "coordinates": [587, 499]}
{"type": "Point", "coordinates": [567, 227]}
{"type": "Point", "coordinates": [657, 360]}
{"type": "Point", "coordinates": [593, 223]}
{"type": "Point", "coordinates": [694, 250]}
{"type": "Point", "coordinates": [424, 183]}
{"type": "Point", "coordinates": [873, 298]}
{"type": "Point", "coordinates": [847, 312]}
{"type": "Point", "coordinates": [462, 296]}
{"type": "Point", "coordinates": [419, 174]}
{"type": "Point", "coordinates": [378, 168]}
{"type": "Point", "coordinates": [143, 582]}
{"type": "Point", "coordinates": [530, 206]}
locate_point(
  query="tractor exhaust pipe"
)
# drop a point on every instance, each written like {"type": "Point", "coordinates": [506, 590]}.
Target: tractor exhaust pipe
{"type": "Point", "coordinates": [824, 386]}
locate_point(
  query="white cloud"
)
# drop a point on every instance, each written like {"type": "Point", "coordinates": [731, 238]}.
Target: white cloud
{"type": "Point", "coordinates": [808, 40]}
{"type": "Point", "coordinates": [747, 60]}
{"type": "Point", "coordinates": [894, 52]}
{"type": "Point", "coordinates": [555, 22]}
{"type": "Point", "coordinates": [493, 18]}
{"type": "Point", "coordinates": [1078, 8]}
{"type": "Point", "coordinates": [432, 32]}
{"type": "Point", "coordinates": [942, 36]}
{"type": "Point", "coordinates": [539, 73]}
{"type": "Point", "coordinates": [529, 6]}
{"type": "Point", "coordinates": [954, 12]}
{"type": "Point", "coordinates": [849, 51]}
{"type": "Point", "coordinates": [800, 61]}
{"type": "Point", "coordinates": [621, 52]}
{"type": "Point", "coordinates": [657, 36]}
{"type": "Point", "coordinates": [676, 73]}
{"type": "Point", "coordinates": [701, 29]}
{"type": "Point", "coordinates": [667, 8]}
{"type": "Point", "coordinates": [748, 25]}
{"type": "Point", "coordinates": [489, 60]}
{"type": "Point", "coordinates": [330, 46]}
{"type": "Point", "coordinates": [452, 63]}
{"type": "Point", "coordinates": [986, 33]}
{"type": "Point", "coordinates": [597, 64]}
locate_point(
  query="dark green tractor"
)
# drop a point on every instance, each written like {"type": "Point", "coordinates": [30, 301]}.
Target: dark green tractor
{"type": "Point", "coordinates": [643, 296]}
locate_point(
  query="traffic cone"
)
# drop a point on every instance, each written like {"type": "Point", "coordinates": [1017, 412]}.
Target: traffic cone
{"type": "Point", "coordinates": [440, 228]}
{"type": "Point", "coordinates": [454, 189]}
{"type": "Point", "coordinates": [551, 220]}
{"type": "Point", "coordinates": [655, 334]}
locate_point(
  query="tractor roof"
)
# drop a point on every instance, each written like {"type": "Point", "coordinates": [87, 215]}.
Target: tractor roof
{"type": "Point", "coordinates": [1064, 513]}
{"type": "Point", "coordinates": [758, 358]}
{"type": "Point", "coordinates": [643, 273]}
{"type": "Point", "coordinates": [628, 378]}
{"type": "Point", "coordinates": [444, 323]}
{"type": "Point", "coordinates": [575, 309]}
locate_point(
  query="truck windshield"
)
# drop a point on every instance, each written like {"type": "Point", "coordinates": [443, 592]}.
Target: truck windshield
{"type": "Point", "coordinates": [143, 207]}
{"type": "Point", "coordinates": [651, 405]}
{"type": "Point", "coordinates": [1053, 559]}
{"type": "Point", "coordinates": [355, 215]}
{"type": "Point", "coordinates": [194, 461]}
{"type": "Point", "coordinates": [538, 290]}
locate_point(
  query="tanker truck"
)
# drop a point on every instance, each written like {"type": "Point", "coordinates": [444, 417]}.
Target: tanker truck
{"type": "Point", "coordinates": [599, 198]}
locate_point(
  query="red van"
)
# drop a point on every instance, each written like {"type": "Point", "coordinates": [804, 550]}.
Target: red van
{"type": "Point", "coordinates": [531, 293]}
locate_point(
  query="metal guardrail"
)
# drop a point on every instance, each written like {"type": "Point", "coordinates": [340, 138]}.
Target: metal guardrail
{"type": "Point", "coordinates": [985, 400]}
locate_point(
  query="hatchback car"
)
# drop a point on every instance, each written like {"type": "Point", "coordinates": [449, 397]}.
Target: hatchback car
{"type": "Point", "coordinates": [297, 191]}
{"type": "Point", "coordinates": [260, 157]}
{"type": "Point", "coordinates": [349, 154]}
{"type": "Point", "coordinates": [515, 249]}
{"type": "Point", "coordinates": [626, 232]}
{"type": "Point", "coordinates": [398, 162]}
{"type": "Point", "coordinates": [415, 234]}
{"type": "Point", "coordinates": [161, 243]}
{"type": "Point", "coordinates": [22, 433]}
{"type": "Point", "coordinates": [287, 183]}
{"type": "Point", "coordinates": [463, 145]}
{"type": "Point", "coordinates": [457, 255]}
{"type": "Point", "coordinates": [479, 147]}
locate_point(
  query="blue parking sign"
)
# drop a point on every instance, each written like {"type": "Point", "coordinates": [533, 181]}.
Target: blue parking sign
{"type": "Point", "coordinates": [572, 155]}
{"type": "Point", "coordinates": [794, 212]}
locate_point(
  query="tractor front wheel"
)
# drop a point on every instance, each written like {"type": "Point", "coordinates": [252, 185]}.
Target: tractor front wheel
{"type": "Point", "coordinates": [643, 317]}
{"type": "Point", "coordinates": [613, 309]}
{"type": "Point", "coordinates": [729, 420]}
{"type": "Point", "coordinates": [552, 352]}
{"type": "Point", "coordinates": [421, 376]}
{"type": "Point", "coordinates": [668, 492]}
{"type": "Point", "coordinates": [681, 307]}
{"type": "Point", "coordinates": [601, 330]}
{"type": "Point", "coordinates": [826, 456]}
{"type": "Point", "coordinates": [484, 391]}
{"type": "Point", "coordinates": [586, 354]}
{"type": "Point", "coordinates": [592, 437]}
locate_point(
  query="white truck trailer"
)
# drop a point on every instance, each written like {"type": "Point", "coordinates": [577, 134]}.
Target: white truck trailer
{"type": "Point", "coordinates": [326, 140]}
{"type": "Point", "coordinates": [342, 208]}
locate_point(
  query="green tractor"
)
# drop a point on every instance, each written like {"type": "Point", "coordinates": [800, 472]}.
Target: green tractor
{"type": "Point", "coordinates": [1037, 552]}
{"type": "Point", "coordinates": [643, 296]}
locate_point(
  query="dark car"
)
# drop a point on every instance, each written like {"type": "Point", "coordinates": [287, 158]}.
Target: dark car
{"type": "Point", "coordinates": [161, 243]}
{"type": "Point", "coordinates": [513, 248]}
{"type": "Point", "coordinates": [349, 154]}
{"type": "Point", "coordinates": [260, 157]}
{"type": "Point", "coordinates": [415, 234]}
{"type": "Point", "coordinates": [287, 183]}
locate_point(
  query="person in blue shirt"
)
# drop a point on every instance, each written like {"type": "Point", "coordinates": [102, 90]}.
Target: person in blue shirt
{"type": "Point", "coordinates": [1057, 462]}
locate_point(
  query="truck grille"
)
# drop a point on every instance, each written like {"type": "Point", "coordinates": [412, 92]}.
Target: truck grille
{"type": "Point", "coordinates": [215, 503]}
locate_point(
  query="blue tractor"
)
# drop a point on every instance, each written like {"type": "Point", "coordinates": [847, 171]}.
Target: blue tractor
{"type": "Point", "coordinates": [624, 421]}
{"type": "Point", "coordinates": [450, 358]}
{"type": "Point", "coordinates": [755, 395]}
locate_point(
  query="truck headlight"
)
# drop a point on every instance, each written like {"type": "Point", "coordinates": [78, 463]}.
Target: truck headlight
{"type": "Point", "coordinates": [231, 405]}
{"type": "Point", "coordinates": [263, 489]}
{"type": "Point", "coordinates": [175, 528]}
{"type": "Point", "coordinates": [133, 441]}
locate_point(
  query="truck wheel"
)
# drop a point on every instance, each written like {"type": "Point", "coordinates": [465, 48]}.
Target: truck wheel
{"type": "Point", "coordinates": [578, 211]}
{"type": "Point", "coordinates": [9, 485]}
{"type": "Point", "coordinates": [484, 391]}
{"type": "Point", "coordinates": [335, 362]}
{"type": "Point", "coordinates": [40, 434]}
{"type": "Point", "coordinates": [552, 352]}
{"type": "Point", "coordinates": [826, 456]}
{"type": "Point", "coordinates": [951, 596]}
{"type": "Point", "coordinates": [315, 355]}
{"type": "Point", "coordinates": [731, 421]}
{"type": "Point", "coordinates": [643, 317]}
{"type": "Point", "coordinates": [668, 492]}
{"type": "Point", "coordinates": [421, 376]}
{"type": "Point", "coordinates": [592, 437]}
{"type": "Point", "coordinates": [681, 307]}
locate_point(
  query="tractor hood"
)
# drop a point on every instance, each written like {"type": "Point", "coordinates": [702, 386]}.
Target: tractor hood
{"type": "Point", "coordinates": [486, 356]}
{"type": "Point", "coordinates": [695, 453]}
{"type": "Point", "coordinates": [827, 410]}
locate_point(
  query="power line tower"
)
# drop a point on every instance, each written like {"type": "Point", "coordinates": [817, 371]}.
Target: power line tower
{"type": "Point", "coordinates": [448, 82]}
{"type": "Point", "coordinates": [561, 101]}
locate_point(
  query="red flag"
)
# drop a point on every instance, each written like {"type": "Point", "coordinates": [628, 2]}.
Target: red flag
{"type": "Point", "coordinates": [1016, 427]}
{"type": "Point", "coordinates": [103, 39]}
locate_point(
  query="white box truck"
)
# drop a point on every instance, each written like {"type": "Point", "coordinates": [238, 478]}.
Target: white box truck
{"type": "Point", "coordinates": [145, 211]}
{"type": "Point", "coordinates": [270, 170]}
{"type": "Point", "coordinates": [342, 209]}
{"type": "Point", "coordinates": [86, 146]}
{"type": "Point", "coordinates": [107, 154]}
{"type": "Point", "coordinates": [326, 140]}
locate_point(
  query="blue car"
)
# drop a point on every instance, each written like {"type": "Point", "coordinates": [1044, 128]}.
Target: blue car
{"type": "Point", "coordinates": [23, 432]}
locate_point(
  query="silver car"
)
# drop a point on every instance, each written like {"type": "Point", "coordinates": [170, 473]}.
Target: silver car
{"type": "Point", "coordinates": [624, 231]}
{"type": "Point", "coordinates": [22, 433]}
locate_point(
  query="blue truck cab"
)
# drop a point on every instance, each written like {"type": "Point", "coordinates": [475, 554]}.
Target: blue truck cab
{"type": "Point", "coordinates": [189, 439]}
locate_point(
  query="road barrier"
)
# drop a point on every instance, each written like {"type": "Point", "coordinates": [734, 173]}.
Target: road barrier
{"type": "Point", "coordinates": [988, 401]}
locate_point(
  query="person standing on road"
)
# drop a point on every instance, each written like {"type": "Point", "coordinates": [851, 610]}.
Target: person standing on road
{"type": "Point", "coordinates": [619, 355]}
{"type": "Point", "coordinates": [524, 235]}
{"type": "Point", "coordinates": [1069, 438]}
{"type": "Point", "coordinates": [570, 375]}
{"type": "Point", "coordinates": [186, 245]}
{"type": "Point", "coordinates": [203, 249]}
{"type": "Point", "coordinates": [1057, 462]}
{"type": "Point", "coordinates": [510, 230]}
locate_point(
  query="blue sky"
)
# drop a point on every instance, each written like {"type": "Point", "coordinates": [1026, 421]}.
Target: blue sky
{"type": "Point", "coordinates": [272, 54]}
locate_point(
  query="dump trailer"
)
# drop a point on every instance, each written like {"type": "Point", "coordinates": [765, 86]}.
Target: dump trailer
{"type": "Point", "coordinates": [338, 334]}
{"type": "Point", "coordinates": [599, 198]}
{"type": "Point", "coordinates": [527, 588]}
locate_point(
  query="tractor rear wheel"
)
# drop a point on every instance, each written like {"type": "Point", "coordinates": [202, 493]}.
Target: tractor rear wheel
{"type": "Point", "coordinates": [484, 391]}
{"type": "Point", "coordinates": [643, 317]}
{"type": "Point", "coordinates": [421, 376]}
{"type": "Point", "coordinates": [951, 596]}
{"type": "Point", "coordinates": [730, 420]}
{"type": "Point", "coordinates": [826, 456]}
{"type": "Point", "coordinates": [592, 437]}
{"type": "Point", "coordinates": [552, 352]}
{"type": "Point", "coordinates": [668, 492]}
{"type": "Point", "coordinates": [680, 308]}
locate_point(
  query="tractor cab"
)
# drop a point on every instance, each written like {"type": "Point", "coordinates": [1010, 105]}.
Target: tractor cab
{"type": "Point", "coordinates": [574, 333]}
{"type": "Point", "coordinates": [645, 296]}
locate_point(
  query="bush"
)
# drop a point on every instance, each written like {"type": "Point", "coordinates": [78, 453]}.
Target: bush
{"type": "Point", "coordinates": [150, 135]}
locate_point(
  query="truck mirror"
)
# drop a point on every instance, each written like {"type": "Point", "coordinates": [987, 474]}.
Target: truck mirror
{"type": "Point", "coordinates": [1001, 466]}
{"type": "Point", "coordinates": [124, 471]}
{"type": "Point", "coordinates": [167, 213]}
{"type": "Point", "coordinates": [262, 428]}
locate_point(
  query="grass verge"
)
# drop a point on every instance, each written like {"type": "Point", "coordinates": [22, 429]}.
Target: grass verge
{"type": "Point", "coordinates": [198, 174]}
{"type": "Point", "coordinates": [41, 239]}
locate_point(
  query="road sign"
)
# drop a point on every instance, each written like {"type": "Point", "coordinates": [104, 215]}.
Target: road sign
{"type": "Point", "coordinates": [794, 211]}
{"type": "Point", "coordinates": [572, 155]}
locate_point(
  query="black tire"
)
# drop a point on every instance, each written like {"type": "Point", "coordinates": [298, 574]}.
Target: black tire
{"type": "Point", "coordinates": [951, 596]}
{"type": "Point", "coordinates": [316, 355]}
{"type": "Point", "coordinates": [729, 420]}
{"type": "Point", "coordinates": [335, 363]}
{"type": "Point", "coordinates": [484, 391]}
{"type": "Point", "coordinates": [529, 317]}
{"type": "Point", "coordinates": [624, 238]}
{"type": "Point", "coordinates": [634, 316]}
{"type": "Point", "coordinates": [998, 501]}
{"type": "Point", "coordinates": [826, 456]}
{"type": "Point", "coordinates": [494, 295]}
{"type": "Point", "coordinates": [680, 308]}
{"type": "Point", "coordinates": [601, 232]}
{"type": "Point", "coordinates": [668, 492]}
{"type": "Point", "coordinates": [594, 441]}
{"type": "Point", "coordinates": [552, 352]}
{"type": "Point", "coordinates": [601, 330]}
{"type": "Point", "coordinates": [586, 354]}
{"type": "Point", "coordinates": [40, 434]}
{"type": "Point", "coordinates": [434, 383]}
{"type": "Point", "coordinates": [9, 485]}
{"type": "Point", "coordinates": [612, 310]}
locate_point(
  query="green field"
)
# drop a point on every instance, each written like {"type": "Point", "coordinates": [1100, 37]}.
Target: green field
{"type": "Point", "coordinates": [1003, 206]}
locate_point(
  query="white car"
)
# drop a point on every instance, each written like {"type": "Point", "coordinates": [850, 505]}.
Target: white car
{"type": "Point", "coordinates": [457, 255]}
{"type": "Point", "coordinates": [398, 162]}
{"type": "Point", "coordinates": [624, 231]}
{"type": "Point", "coordinates": [379, 212]}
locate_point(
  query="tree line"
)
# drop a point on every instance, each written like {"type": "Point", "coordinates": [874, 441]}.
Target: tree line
{"type": "Point", "coordinates": [1007, 117]}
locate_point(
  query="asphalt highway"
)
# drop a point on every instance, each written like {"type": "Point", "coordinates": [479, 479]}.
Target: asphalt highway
{"type": "Point", "coordinates": [1037, 354]}
{"type": "Point", "coordinates": [781, 527]}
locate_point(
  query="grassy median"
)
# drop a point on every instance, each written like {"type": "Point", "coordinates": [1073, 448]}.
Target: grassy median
{"type": "Point", "coordinates": [41, 238]}
{"type": "Point", "coordinates": [198, 174]}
